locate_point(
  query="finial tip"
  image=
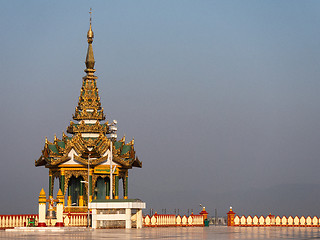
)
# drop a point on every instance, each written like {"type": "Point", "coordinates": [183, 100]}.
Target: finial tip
{"type": "Point", "coordinates": [90, 32]}
{"type": "Point", "coordinates": [90, 14]}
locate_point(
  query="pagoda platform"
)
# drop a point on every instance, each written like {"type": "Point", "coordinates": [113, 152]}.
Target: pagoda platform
{"type": "Point", "coordinates": [117, 213]}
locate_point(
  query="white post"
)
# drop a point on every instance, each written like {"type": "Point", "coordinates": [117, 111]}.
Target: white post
{"type": "Point", "coordinates": [59, 209]}
{"type": "Point", "coordinates": [139, 218]}
{"type": "Point", "coordinates": [94, 218]}
{"type": "Point", "coordinates": [59, 215]}
{"type": "Point", "coordinates": [128, 218]}
{"type": "Point", "coordinates": [42, 209]}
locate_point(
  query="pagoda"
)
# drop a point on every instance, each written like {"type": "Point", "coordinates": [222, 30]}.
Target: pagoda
{"type": "Point", "coordinates": [89, 158]}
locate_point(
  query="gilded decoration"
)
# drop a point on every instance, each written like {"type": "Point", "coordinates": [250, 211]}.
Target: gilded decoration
{"type": "Point", "coordinates": [123, 139]}
{"type": "Point", "coordinates": [59, 160]}
{"type": "Point", "coordinates": [86, 128]}
{"type": "Point", "coordinates": [76, 173]}
{"type": "Point", "coordinates": [88, 117]}
{"type": "Point", "coordinates": [55, 174]}
{"type": "Point", "coordinates": [93, 161]}
{"type": "Point", "coordinates": [86, 113]}
{"type": "Point", "coordinates": [123, 174]}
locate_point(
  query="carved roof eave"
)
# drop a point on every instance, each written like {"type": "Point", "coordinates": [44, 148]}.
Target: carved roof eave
{"type": "Point", "coordinates": [104, 145]}
{"type": "Point", "coordinates": [81, 146]}
{"type": "Point", "coordinates": [137, 163]}
{"type": "Point", "coordinates": [128, 163]}
{"type": "Point", "coordinates": [44, 161]}
{"type": "Point", "coordinates": [93, 161]}
{"type": "Point", "coordinates": [41, 161]}
{"type": "Point", "coordinates": [60, 160]}
{"type": "Point", "coordinates": [122, 162]}
{"type": "Point", "coordinates": [77, 143]}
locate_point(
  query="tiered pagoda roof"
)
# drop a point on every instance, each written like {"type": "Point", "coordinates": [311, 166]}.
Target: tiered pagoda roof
{"type": "Point", "coordinates": [88, 135]}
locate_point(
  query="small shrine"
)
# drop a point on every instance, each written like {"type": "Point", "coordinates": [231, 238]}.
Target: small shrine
{"type": "Point", "coordinates": [89, 161]}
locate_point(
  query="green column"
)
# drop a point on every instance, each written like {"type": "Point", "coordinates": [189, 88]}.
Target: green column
{"type": "Point", "coordinates": [69, 195]}
{"type": "Point", "coordinates": [50, 184]}
{"type": "Point", "coordinates": [116, 187]}
{"type": "Point", "coordinates": [81, 189]}
{"type": "Point", "coordinates": [107, 188]}
{"type": "Point", "coordinates": [125, 190]}
{"type": "Point", "coordinates": [62, 184]}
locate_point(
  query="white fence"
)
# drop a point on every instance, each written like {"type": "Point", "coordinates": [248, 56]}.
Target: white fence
{"type": "Point", "coordinates": [11, 221]}
{"type": "Point", "coordinates": [271, 220]}
{"type": "Point", "coordinates": [80, 220]}
{"type": "Point", "coordinates": [170, 220]}
{"type": "Point", "coordinates": [75, 220]}
{"type": "Point", "coordinates": [23, 220]}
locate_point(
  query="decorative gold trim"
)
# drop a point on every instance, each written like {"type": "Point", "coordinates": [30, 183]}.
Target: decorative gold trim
{"type": "Point", "coordinates": [88, 128]}
{"type": "Point", "coordinates": [93, 161]}
{"type": "Point", "coordinates": [76, 173]}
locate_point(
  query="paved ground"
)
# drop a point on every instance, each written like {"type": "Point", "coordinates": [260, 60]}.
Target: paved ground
{"type": "Point", "coordinates": [186, 233]}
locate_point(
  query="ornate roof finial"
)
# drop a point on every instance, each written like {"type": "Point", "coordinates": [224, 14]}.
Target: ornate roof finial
{"type": "Point", "coordinates": [123, 139]}
{"type": "Point", "coordinates": [131, 142]}
{"type": "Point", "coordinates": [90, 32]}
{"type": "Point", "coordinates": [90, 58]}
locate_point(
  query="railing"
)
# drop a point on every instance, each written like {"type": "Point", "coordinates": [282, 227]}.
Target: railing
{"type": "Point", "coordinates": [171, 220]}
{"type": "Point", "coordinates": [75, 219]}
{"type": "Point", "coordinates": [277, 221]}
{"type": "Point", "coordinates": [11, 221]}
{"type": "Point", "coordinates": [80, 220]}
{"type": "Point", "coordinates": [22, 220]}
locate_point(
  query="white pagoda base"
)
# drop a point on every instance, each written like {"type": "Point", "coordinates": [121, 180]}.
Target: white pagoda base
{"type": "Point", "coordinates": [117, 213]}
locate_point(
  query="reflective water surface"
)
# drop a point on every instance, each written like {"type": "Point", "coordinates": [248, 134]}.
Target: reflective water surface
{"type": "Point", "coordinates": [211, 232]}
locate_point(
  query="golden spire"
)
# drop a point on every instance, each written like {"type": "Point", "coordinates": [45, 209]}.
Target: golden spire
{"type": "Point", "coordinates": [90, 32]}
{"type": "Point", "coordinates": [90, 58]}
{"type": "Point", "coordinates": [89, 105]}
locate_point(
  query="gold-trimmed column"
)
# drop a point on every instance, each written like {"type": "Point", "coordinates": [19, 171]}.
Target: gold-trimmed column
{"type": "Point", "coordinates": [62, 178]}
{"type": "Point", "coordinates": [50, 184]}
{"type": "Point", "coordinates": [81, 195]}
{"type": "Point", "coordinates": [90, 185]}
{"type": "Point", "coordinates": [107, 187]}
{"type": "Point", "coordinates": [69, 196]}
{"type": "Point", "coordinates": [116, 187]}
{"type": "Point", "coordinates": [125, 185]}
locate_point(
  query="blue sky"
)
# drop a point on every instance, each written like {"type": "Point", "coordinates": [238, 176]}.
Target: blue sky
{"type": "Point", "coordinates": [222, 98]}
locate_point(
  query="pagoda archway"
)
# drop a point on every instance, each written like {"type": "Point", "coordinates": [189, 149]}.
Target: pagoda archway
{"type": "Point", "coordinates": [102, 188]}
{"type": "Point", "coordinates": [75, 191]}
